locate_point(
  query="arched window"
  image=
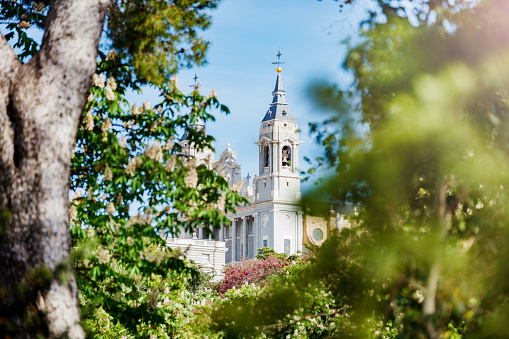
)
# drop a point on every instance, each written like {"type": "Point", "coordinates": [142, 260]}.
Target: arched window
{"type": "Point", "coordinates": [286, 156]}
{"type": "Point", "coordinates": [266, 155]}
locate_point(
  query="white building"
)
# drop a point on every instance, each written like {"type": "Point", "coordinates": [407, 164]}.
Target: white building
{"type": "Point", "coordinates": [274, 217]}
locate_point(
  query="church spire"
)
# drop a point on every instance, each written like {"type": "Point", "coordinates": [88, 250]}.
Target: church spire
{"type": "Point", "coordinates": [278, 108]}
{"type": "Point", "coordinates": [278, 89]}
{"type": "Point", "coordinates": [198, 124]}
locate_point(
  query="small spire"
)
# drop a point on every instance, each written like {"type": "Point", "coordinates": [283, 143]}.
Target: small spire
{"type": "Point", "coordinates": [278, 108]}
{"type": "Point", "coordinates": [198, 124]}
{"type": "Point", "coordinates": [278, 87]}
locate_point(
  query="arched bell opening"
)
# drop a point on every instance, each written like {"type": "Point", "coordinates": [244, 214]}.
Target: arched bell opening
{"type": "Point", "coordinates": [266, 156]}
{"type": "Point", "coordinates": [286, 156]}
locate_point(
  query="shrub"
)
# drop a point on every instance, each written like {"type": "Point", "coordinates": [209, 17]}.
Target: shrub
{"type": "Point", "coordinates": [252, 271]}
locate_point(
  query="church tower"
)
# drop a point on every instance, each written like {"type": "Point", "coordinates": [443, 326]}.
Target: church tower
{"type": "Point", "coordinates": [278, 216]}
{"type": "Point", "coordinates": [278, 178]}
{"type": "Point", "coordinates": [203, 156]}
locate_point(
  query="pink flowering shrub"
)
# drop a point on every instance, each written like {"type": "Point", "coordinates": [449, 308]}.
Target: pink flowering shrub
{"type": "Point", "coordinates": [250, 271]}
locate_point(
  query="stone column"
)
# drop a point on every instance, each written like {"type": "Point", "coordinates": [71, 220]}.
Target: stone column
{"type": "Point", "coordinates": [261, 158]}
{"type": "Point", "coordinates": [244, 237]}
{"type": "Point", "coordinates": [300, 231]}
{"type": "Point", "coordinates": [293, 159]}
{"type": "Point", "coordinates": [200, 232]}
{"type": "Point", "coordinates": [234, 240]}
{"type": "Point", "coordinates": [277, 170]}
{"type": "Point", "coordinates": [211, 234]}
{"type": "Point", "coordinates": [296, 166]}
{"type": "Point", "coordinates": [275, 157]}
{"type": "Point", "coordinates": [221, 232]}
{"type": "Point", "coordinates": [256, 233]}
{"type": "Point", "coordinates": [271, 157]}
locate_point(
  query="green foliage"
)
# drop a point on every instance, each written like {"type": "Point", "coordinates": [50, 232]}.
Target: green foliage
{"type": "Point", "coordinates": [152, 38]}
{"type": "Point", "coordinates": [418, 12]}
{"type": "Point", "coordinates": [156, 37]}
{"type": "Point", "coordinates": [19, 16]}
{"type": "Point", "coordinates": [420, 144]}
{"type": "Point", "coordinates": [286, 304]}
{"type": "Point", "coordinates": [174, 297]}
{"type": "Point", "coordinates": [202, 283]}
{"type": "Point", "coordinates": [126, 159]}
{"type": "Point", "coordinates": [265, 252]}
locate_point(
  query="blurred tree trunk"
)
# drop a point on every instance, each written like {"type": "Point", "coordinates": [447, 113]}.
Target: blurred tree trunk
{"type": "Point", "coordinates": [40, 106]}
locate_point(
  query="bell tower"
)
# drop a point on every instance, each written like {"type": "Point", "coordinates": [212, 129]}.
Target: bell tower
{"type": "Point", "coordinates": [278, 143]}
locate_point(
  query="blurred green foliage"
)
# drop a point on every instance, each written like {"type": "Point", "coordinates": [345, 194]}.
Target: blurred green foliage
{"type": "Point", "coordinates": [420, 144]}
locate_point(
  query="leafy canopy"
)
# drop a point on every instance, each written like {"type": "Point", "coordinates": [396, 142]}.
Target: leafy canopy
{"type": "Point", "coordinates": [419, 143]}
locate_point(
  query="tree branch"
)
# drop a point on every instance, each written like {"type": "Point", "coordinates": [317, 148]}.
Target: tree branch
{"type": "Point", "coordinates": [72, 32]}
{"type": "Point", "coordinates": [443, 217]}
{"type": "Point", "coordinates": [66, 60]}
{"type": "Point", "coordinates": [7, 57]}
{"type": "Point", "coordinates": [394, 293]}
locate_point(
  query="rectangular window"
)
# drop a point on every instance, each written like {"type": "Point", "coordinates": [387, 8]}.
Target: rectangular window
{"type": "Point", "coordinates": [205, 257]}
{"type": "Point", "coordinates": [265, 242]}
{"type": "Point", "coordinates": [287, 246]}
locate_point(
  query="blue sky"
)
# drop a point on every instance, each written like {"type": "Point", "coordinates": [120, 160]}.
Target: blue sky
{"type": "Point", "coordinates": [245, 37]}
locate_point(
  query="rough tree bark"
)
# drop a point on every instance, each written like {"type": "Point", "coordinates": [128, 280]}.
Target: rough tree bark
{"type": "Point", "coordinates": [40, 107]}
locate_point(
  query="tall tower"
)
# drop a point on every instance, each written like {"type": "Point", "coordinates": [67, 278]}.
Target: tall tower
{"type": "Point", "coordinates": [278, 144]}
{"type": "Point", "coordinates": [278, 217]}
{"type": "Point", "coordinates": [203, 156]}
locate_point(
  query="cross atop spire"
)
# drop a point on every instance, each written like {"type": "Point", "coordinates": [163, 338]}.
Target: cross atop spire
{"type": "Point", "coordinates": [196, 84]}
{"type": "Point", "coordinates": [278, 62]}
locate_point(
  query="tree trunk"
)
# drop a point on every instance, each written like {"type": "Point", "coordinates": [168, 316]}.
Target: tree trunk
{"type": "Point", "coordinates": [438, 232]}
{"type": "Point", "coordinates": [40, 107]}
